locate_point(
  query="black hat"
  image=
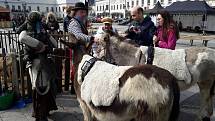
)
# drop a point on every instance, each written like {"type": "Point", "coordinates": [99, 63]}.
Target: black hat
{"type": "Point", "coordinates": [80, 6]}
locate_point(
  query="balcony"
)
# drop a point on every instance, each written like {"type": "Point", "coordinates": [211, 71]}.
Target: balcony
{"type": "Point", "coordinates": [16, 10]}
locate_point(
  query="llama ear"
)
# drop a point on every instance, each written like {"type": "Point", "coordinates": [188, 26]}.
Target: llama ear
{"type": "Point", "coordinates": [121, 38]}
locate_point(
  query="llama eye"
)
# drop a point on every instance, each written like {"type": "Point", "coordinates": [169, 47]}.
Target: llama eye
{"type": "Point", "coordinates": [105, 39]}
{"type": "Point", "coordinates": [114, 48]}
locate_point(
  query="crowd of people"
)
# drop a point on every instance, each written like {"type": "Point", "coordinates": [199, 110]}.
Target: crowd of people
{"type": "Point", "coordinates": [35, 34]}
{"type": "Point", "coordinates": [141, 30]}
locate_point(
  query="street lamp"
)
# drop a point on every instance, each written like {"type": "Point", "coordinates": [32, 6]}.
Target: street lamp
{"type": "Point", "coordinates": [124, 6]}
{"type": "Point", "coordinates": [24, 4]}
{"type": "Point", "coordinates": [109, 8]}
{"type": "Point", "coordinates": [86, 4]}
{"type": "Point", "coordinates": [203, 24]}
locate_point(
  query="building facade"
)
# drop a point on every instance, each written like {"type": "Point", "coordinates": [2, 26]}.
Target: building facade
{"type": "Point", "coordinates": [119, 8]}
{"type": "Point", "coordinates": [44, 6]}
{"type": "Point", "coordinates": [211, 3]}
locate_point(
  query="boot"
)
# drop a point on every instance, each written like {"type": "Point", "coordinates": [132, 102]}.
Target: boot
{"type": "Point", "coordinates": [42, 119]}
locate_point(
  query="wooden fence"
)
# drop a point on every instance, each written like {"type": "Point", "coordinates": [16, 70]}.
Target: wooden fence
{"type": "Point", "coordinates": [14, 76]}
{"type": "Point", "coordinates": [204, 38]}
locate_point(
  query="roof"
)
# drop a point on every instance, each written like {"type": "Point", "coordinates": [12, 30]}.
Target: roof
{"type": "Point", "coordinates": [156, 8]}
{"type": "Point", "coordinates": [4, 10]}
{"type": "Point", "coordinates": [190, 7]}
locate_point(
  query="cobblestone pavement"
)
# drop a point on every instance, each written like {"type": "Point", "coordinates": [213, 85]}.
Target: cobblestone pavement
{"type": "Point", "coordinates": [68, 109]}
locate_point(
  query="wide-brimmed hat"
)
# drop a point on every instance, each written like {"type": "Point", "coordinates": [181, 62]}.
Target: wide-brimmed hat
{"type": "Point", "coordinates": [107, 20]}
{"type": "Point", "coordinates": [80, 6]}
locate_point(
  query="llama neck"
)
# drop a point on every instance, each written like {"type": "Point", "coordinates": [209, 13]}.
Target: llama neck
{"type": "Point", "coordinates": [78, 54]}
{"type": "Point", "coordinates": [126, 54]}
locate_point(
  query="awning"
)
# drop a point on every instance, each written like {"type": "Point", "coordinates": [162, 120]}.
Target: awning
{"type": "Point", "coordinates": [156, 8]}
{"type": "Point", "coordinates": [4, 10]}
{"type": "Point", "coordinates": [190, 7]}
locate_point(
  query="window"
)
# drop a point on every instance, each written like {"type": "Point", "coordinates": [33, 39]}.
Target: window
{"type": "Point", "coordinates": [155, 1]}
{"type": "Point", "coordinates": [111, 7]}
{"type": "Point", "coordinates": [47, 9]}
{"type": "Point", "coordinates": [52, 9]}
{"type": "Point", "coordinates": [103, 7]}
{"type": "Point", "coordinates": [24, 8]}
{"type": "Point", "coordinates": [170, 1]}
{"type": "Point", "coordinates": [137, 2]}
{"type": "Point", "coordinates": [7, 6]}
{"type": "Point", "coordinates": [142, 2]}
{"type": "Point", "coordinates": [114, 7]}
{"type": "Point", "coordinates": [59, 9]}
{"type": "Point", "coordinates": [161, 1]}
{"type": "Point", "coordinates": [13, 7]}
{"type": "Point", "coordinates": [29, 8]}
{"type": "Point", "coordinates": [38, 8]}
{"type": "Point", "coordinates": [120, 6]}
{"type": "Point", "coordinates": [132, 4]}
{"type": "Point", "coordinates": [117, 7]}
{"type": "Point", "coordinates": [56, 9]}
{"type": "Point", "coordinates": [106, 7]}
{"type": "Point", "coordinates": [100, 8]}
{"type": "Point", "coordinates": [127, 4]}
{"type": "Point", "coordinates": [148, 2]}
{"type": "Point", "coordinates": [124, 6]}
{"type": "Point", "coordinates": [19, 7]}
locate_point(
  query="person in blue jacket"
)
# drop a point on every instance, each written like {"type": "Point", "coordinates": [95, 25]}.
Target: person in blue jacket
{"type": "Point", "coordinates": [67, 19]}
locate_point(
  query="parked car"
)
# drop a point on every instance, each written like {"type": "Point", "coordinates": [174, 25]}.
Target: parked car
{"type": "Point", "coordinates": [118, 20]}
{"type": "Point", "coordinates": [98, 19]}
{"type": "Point", "coordinates": [92, 19]}
{"type": "Point", "coordinates": [124, 22]}
{"type": "Point", "coordinates": [60, 20]}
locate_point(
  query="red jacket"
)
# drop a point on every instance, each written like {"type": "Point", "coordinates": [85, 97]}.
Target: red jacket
{"type": "Point", "coordinates": [169, 42]}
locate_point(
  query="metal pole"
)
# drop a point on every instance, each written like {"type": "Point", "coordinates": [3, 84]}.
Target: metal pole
{"type": "Point", "coordinates": [109, 9]}
{"type": "Point", "coordinates": [203, 28]}
{"type": "Point", "coordinates": [86, 5]}
{"type": "Point", "coordinates": [125, 9]}
{"type": "Point", "coordinates": [25, 9]}
{"type": "Point", "coordinates": [24, 5]}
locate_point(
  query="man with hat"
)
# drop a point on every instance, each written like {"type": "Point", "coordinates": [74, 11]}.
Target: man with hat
{"type": "Point", "coordinates": [107, 27]}
{"type": "Point", "coordinates": [77, 24]}
{"type": "Point", "coordinates": [78, 28]}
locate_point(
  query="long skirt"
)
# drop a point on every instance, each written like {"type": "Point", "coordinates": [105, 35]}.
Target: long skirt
{"type": "Point", "coordinates": [42, 104]}
{"type": "Point", "coordinates": [42, 73]}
